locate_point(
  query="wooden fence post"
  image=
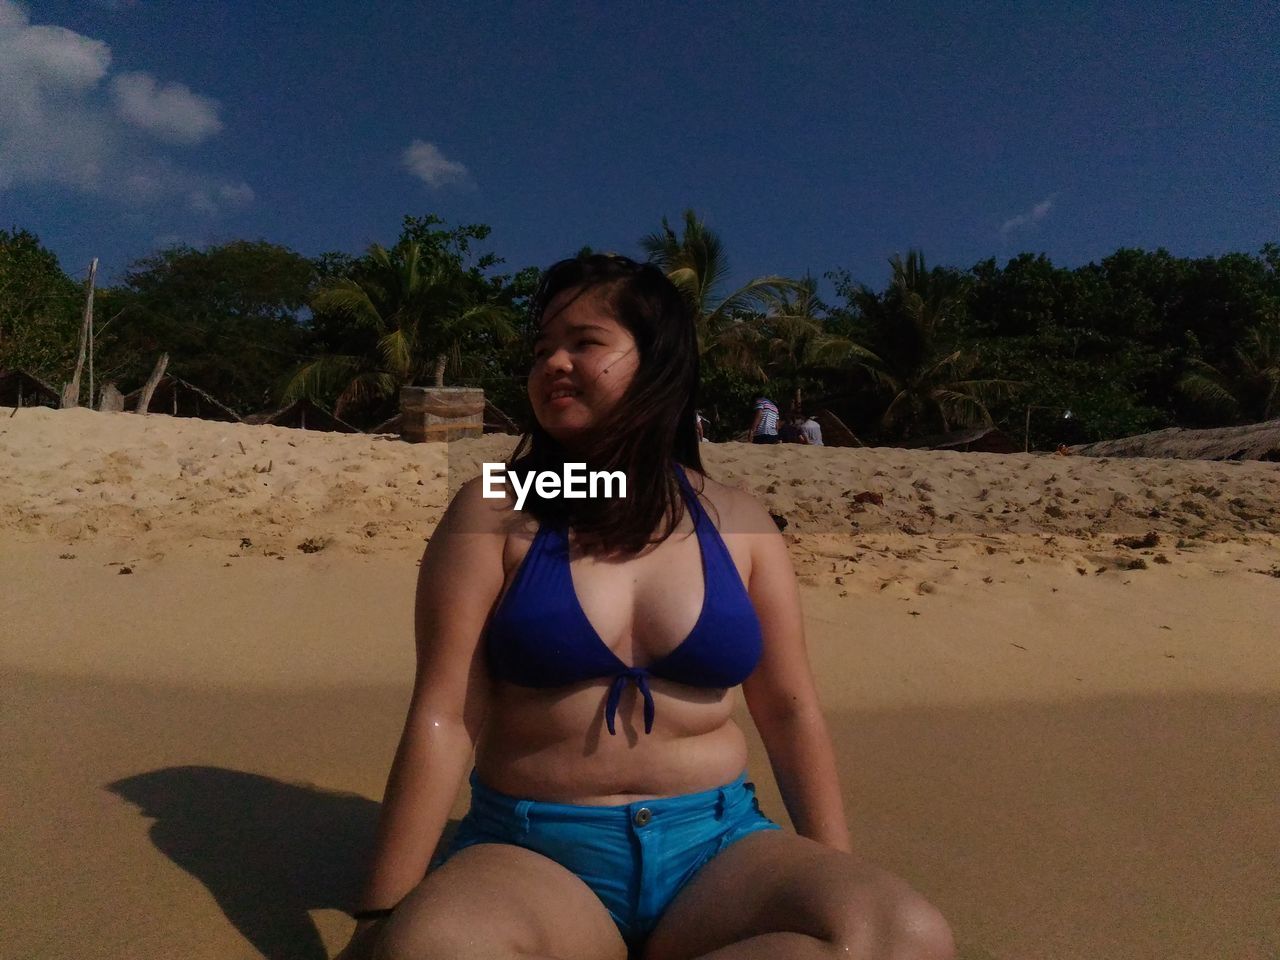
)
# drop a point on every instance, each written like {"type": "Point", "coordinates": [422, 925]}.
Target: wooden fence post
{"type": "Point", "coordinates": [71, 392]}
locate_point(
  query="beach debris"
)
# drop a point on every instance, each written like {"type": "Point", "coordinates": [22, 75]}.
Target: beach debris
{"type": "Point", "coordinates": [1137, 563]}
{"type": "Point", "coordinates": [313, 544]}
{"type": "Point", "coordinates": [1018, 645]}
{"type": "Point", "coordinates": [241, 446]}
{"type": "Point", "coordinates": [779, 520]}
{"type": "Point", "coordinates": [1151, 539]}
{"type": "Point", "coordinates": [245, 543]}
{"type": "Point", "coordinates": [125, 570]}
{"type": "Point", "coordinates": [1160, 558]}
{"type": "Point", "coordinates": [869, 496]}
{"type": "Point", "coordinates": [66, 556]}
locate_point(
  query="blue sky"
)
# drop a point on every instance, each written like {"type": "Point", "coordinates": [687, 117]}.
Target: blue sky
{"type": "Point", "coordinates": [810, 136]}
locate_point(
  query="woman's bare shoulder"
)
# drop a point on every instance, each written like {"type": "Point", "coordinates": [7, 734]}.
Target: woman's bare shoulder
{"type": "Point", "coordinates": [473, 511]}
{"type": "Point", "coordinates": [737, 510]}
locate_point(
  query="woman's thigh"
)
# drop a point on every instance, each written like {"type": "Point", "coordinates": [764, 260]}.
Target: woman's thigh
{"type": "Point", "coordinates": [496, 900]}
{"type": "Point", "coordinates": [796, 895]}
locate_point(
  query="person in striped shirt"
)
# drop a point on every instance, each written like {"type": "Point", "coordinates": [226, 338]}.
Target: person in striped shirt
{"type": "Point", "coordinates": [764, 429]}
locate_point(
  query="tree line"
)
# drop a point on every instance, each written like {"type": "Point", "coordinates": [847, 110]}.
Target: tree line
{"type": "Point", "coordinates": [1138, 341]}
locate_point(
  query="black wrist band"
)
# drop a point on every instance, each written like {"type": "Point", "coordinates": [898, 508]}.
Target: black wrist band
{"type": "Point", "coordinates": [377, 914]}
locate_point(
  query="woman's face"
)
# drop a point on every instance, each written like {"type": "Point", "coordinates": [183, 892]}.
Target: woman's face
{"type": "Point", "coordinates": [583, 362]}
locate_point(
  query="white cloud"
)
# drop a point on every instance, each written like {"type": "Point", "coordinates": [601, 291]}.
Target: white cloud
{"type": "Point", "coordinates": [425, 161]}
{"type": "Point", "coordinates": [1034, 215]}
{"type": "Point", "coordinates": [169, 111]}
{"type": "Point", "coordinates": [61, 125]}
{"type": "Point", "coordinates": [224, 196]}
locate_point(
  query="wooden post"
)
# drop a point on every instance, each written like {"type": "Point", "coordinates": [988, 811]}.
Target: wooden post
{"type": "Point", "coordinates": [144, 399]}
{"type": "Point", "coordinates": [93, 269]}
{"type": "Point", "coordinates": [71, 392]}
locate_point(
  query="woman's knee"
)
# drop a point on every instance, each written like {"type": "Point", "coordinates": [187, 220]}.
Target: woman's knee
{"type": "Point", "coordinates": [922, 931]}
{"type": "Point", "coordinates": [892, 922]}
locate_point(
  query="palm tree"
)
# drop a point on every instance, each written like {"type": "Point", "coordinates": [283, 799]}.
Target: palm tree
{"type": "Point", "coordinates": [696, 263]}
{"type": "Point", "coordinates": [793, 345]}
{"type": "Point", "coordinates": [417, 307]}
{"type": "Point", "coordinates": [1251, 389]}
{"type": "Point", "coordinates": [929, 387]}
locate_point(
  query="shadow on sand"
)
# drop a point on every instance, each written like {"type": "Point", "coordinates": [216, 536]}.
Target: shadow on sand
{"type": "Point", "coordinates": [267, 851]}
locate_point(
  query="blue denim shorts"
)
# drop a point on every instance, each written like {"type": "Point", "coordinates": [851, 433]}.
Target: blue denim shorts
{"type": "Point", "coordinates": [635, 857]}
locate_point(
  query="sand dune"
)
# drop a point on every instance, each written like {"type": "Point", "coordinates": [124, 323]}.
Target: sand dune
{"type": "Point", "coordinates": [1054, 681]}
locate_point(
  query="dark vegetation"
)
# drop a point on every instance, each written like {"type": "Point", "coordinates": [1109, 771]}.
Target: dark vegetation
{"type": "Point", "coordinates": [1141, 340]}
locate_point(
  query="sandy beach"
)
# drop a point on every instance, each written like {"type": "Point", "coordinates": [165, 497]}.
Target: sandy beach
{"type": "Point", "coordinates": [1054, 682]}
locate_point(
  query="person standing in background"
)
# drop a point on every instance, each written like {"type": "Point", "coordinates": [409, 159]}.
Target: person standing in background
{"type": "Point", "coordinates": [764, 428]}
{"type": "Point", "coordinates": [812, 432]}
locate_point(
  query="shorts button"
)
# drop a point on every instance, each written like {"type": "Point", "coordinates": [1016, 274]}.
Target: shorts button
{"type": "Point", "coordinates": [643, 816]}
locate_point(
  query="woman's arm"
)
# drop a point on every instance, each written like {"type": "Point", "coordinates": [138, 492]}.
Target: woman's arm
{"type": "Point", "coordinates": [781, 694]}
{"type": "Point", "coordinates": [459, 579]}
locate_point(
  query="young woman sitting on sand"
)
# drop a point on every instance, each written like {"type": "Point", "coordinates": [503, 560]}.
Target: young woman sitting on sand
{"type": "Point", "coordinates": [581, 653]}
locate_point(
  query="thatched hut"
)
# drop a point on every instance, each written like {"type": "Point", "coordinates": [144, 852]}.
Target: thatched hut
{"type": "Point", "coordinates": [178, 398]}
{"type": "Point", "coordinates": [969, 440]}
{"type": "Point", "coordinates": [1254, 441]}
{"type": "Point", "coordinates": [302, 414]}
{"type": "Point", "coordinates": [20, 389]}
{"type": "Point", "coordinates": [834, 431]}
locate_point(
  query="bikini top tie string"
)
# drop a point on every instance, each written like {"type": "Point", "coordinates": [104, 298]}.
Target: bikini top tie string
{"type": "Point", "coordinates": [640, 677]}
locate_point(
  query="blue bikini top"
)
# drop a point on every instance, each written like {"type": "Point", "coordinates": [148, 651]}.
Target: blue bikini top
{"type": "Point", "coordinates": [540, 637]}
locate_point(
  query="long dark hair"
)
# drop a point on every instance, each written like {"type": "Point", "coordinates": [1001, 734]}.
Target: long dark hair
{"type": "Point", "coordinates": [652, 423]}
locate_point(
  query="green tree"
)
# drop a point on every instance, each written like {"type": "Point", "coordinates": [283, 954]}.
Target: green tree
{"type": "Point", "coordinates": [39, 309]}
{"type": "Point", "coordinates": [402, 315]}
{"type": "Point", "coordinates": [1055, 333]}
{"type": "Point", "coordinates": [697, 264]}
{"type": "Point", "coordinates": [925, 379]}
{"type": "Point", "coordinates": [793, 348]}
{"type": "Point", "coordinates": [228, 316]}
{"type": "Point", "coordinates": [1246, 390]}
